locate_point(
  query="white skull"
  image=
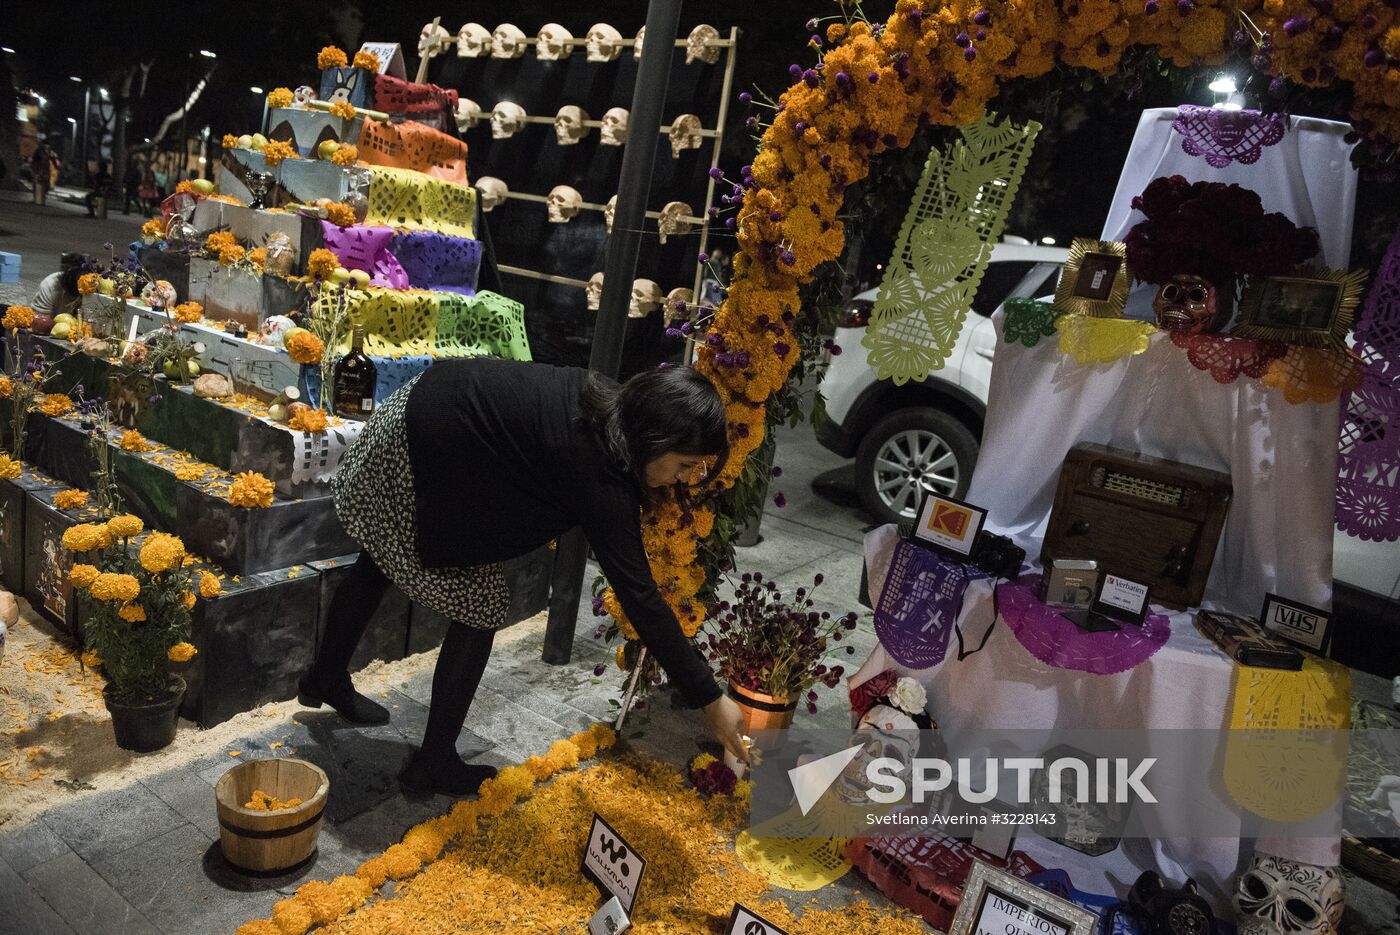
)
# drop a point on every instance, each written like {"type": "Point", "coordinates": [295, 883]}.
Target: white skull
{"type": "Point", "coordinates": [569, 124]}
{"type": "Point", "coordinates": [434, 39]}
{"type": "Point", "coordinates": [610, 211]}
{"type": "Point", "coordinates": [473, 41]}
{"type": "Point", "coordinates": [604, 43]}
{"type": "Point", "coordinates": [646, 298]}
{"type": "Point", "coordinates": [493, 191]}
{"type": "Point", "coordinates": [637, 44]}
{"type": "Point", "coordinates": [506, 120]}
{"type": "Point", "coordinates": [303, 96]}
{"type": "Point", "coordinates": [507, 41]}
{"type": "Point", "coordinates": [468, 114]}
{"type": "Point", "coordinates": [615, 126]}
{"type": "Point", "coordinates": [673, 219]}
{"type": "Point", "coordinates": [678, 302]}
{"type": "Point", "coordinates": [593, 292]}
{"type": "Point", "coordinates": [554, 43]}
{"type": "Point", "coordinates": [685, 134]}
{"type": "Point", "coordinates": [885, 732]}
{"type": "Point", "coordinates": [564, 203]}
{"type": "Point", "coordinates": [1278, 895]}
{"type": "Point", "coordinates": [697, 45]}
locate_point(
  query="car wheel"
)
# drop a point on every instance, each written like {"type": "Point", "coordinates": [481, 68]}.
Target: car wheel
{"type": "Point", "coordinates": [910, 452]}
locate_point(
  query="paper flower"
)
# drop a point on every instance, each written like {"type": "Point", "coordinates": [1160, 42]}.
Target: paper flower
{"type": "Point", "coordinates": [251, 489]}
{"type": "Point", "coordinates": [909, 696]}
{"type": "Point", "coordinates": [181, 652]}
{"type": "Point", "coordinates": [162, 552]}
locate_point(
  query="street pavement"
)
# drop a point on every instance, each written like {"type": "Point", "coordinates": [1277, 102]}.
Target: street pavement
{"type": "Point", "coordinates": [40, 235]}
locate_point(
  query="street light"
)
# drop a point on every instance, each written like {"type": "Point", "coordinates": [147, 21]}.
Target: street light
{"type": "Point", "coordinates": [207, 54]}
{"type": "Point", "coordinates": [1048, 241]}
{"type": "Point", "coordinates": [7, 50]}
{"type": "Point", "coordinates": [75, 78]}
{"type": "Point", "coordinates": [256, 90]}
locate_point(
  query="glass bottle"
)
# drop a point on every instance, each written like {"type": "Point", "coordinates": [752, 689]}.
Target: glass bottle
{"type": "Point", "coordinates": [355, 379]}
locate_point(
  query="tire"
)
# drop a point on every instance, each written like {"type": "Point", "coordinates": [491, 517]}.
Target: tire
{"type": "Point", "coordinates": [894, 435]}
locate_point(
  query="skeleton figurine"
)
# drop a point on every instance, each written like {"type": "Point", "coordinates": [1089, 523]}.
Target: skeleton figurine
{"type": "Point", "coordinates": [304, 95]}
{"type": "Point", "coordinates": [554, 43]}
{"type": "Point", "coordinates": [615, 126]}
{"type": "Point", "coordinates": [506, 120]}
{"type": "Point", "coordinates": [1191, 305]}
{"type": "Point", "coordinates": [610, 211]}
{"type": "Point", "coordinates": [564, 203]}
{"type": "Point", "coordinates": [673, 219]}
{"type": "Point", "coordinates": [473, 41]}
{"type": "Point", "coordinates": [433, 40]}
{"type": "Point", "coordinates": [637, 43]}
{"type": "Point", "coordinates": [604, 43]}
{"type": "Point", "coordinates": [569, 124]}
{"type": "Point", "coordinates": [685, 134]}
{"type": "Point", "coordinates": [678, 302]}
{"type": "Point", "coordinates": [468, 114]}
{"type": "Point", "coordinates": [493, 192]}
{"type": "Point", "coordinates": [885, 731]}
{"type": "Point", "coordinates": [508, 41]}
{"type": "Point", "coordinates": [646, 298]}
{"type": "Point", "coordinates": [698, 47]}
{"type": "Point", "coordinates": [593, 292]}
{"type": "Point", "coordinates": [1277, 895]}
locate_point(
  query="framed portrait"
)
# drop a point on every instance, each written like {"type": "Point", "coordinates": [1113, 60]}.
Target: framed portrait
{"type": "Point", "coordinates": [996, 903]}
{"type": "Point", "coordinates": [949, 524]}
{"type": "Point", "coordinates": [1095, 279]}
{"type": "Point", "coordinates": [1314, 308]}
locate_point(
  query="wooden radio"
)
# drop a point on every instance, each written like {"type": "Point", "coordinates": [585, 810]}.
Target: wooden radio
{"type": "Point", "coordinates": [1147, 519]}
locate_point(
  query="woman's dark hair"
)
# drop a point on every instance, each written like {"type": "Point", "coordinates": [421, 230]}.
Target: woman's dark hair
{"type": "Point", "coordinates": [667, 409]}
{"type": "Point", "coordinates": [68, 280]}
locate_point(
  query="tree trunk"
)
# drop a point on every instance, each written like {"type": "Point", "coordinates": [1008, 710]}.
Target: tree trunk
{"type": "Point", "coordinates": [122, 115]}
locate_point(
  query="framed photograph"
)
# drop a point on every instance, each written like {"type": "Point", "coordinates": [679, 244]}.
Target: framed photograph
{"type": "Point", "coordinates": [1095, 279]}
{"type": "Point", "coordinates": [949, 524]}
{"type": "Point", "coordinates": [996, 903]}
{"type": "Point", "coordinates": [1301, 624]}
{"type": "Point", "coordinates": [1315, 308]}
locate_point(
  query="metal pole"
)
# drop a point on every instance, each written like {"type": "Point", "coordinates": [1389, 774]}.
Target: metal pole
{"type": "Point", "coordinates": [620, 268]}
{"type": "Point", "coordinates": [87, 109]}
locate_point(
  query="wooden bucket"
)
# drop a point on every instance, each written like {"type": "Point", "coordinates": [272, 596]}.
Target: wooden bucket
{"type": "Point", "coordinates": [762, 712]}
{"type": "Point", "coordinates": [261, 841]}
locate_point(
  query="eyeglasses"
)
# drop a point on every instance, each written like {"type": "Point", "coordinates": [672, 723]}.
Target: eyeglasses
{"type": "Point", "coordinates": [1171, 292]}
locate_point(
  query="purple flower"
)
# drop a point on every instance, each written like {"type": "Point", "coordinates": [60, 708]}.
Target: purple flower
{"type": "Point", "coordinates": [1295, 26]}
{"type": "Point", "coordinates": [963, 40]}
{"type": "Point", "coordinates": [980, 35]}
{"type": "Point", "coordinates": [599, 669]}
{"type": "Point", "coordinates": [916, 14]}
{"type": "Point", "coordinates": [746, 170]}
{"type": "Point", "coordinates": [795, 70]}
{"type": "Point", "coordinates": [751, 122]}
{"type": "Point", "coordinates": [713, 211]}
{"type": "Point", "coordinates": [811, 25]}
{"type": "Point", "coordinates": [787, 257]}
{"type": "Point", "coordinates": [982, 17]}
{"type": "Point", "coordinates": [702, 258]}
{"type": "Point", "coordinates": [777, 471]}
{"type": "Point", "coordinates": [811, 78]}
{"type": "Point", "coordinates": [779, 500]}
{"type": "Point", "coordinates": [873, 77]}
{"type": "Point", "coordinates": [1150, 7]}
{"type": "Point", "coordinates": [745, 97]}
{"type": "Point", "coordinates": [1184, 7]}
{"type": "Point", "coordinates": [843, 79]}
{"type": "Point", "coordinates": [781, 349]}
{"type": "Point", "coordinates": [1374, 57]}
{"type": "Point", "coordinates": [969, 53]}
{"type": "Point", "coordinates": [716, 173]}
{"type": "Point", "coordinates": [889, 139]}
{"type": "Point", "coordinates": [731, 223]}
{"type": "Point", "coordinates": [775, 215]}
{"type": "Point", "coordinates": [815, 39]}
{"type": "Point", "coordinates": [715, 779]}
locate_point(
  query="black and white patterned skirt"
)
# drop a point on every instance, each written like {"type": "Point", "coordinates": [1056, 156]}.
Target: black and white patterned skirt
{"type": "Point", "coordinates": [373, 491]}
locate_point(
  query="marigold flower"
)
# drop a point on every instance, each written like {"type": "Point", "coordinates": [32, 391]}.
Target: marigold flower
{"type": "Point", "coordinates": [276, 150]}
{"type": "Point", "coordinates": [621, 657]}
{"type": "Point", "coordinates": [18, 316]}
{"type": "Point", "coordinates": [162, 552]}
{"type": "Point", "coordinates": [91, 659]}
{"type": "Point", "coordinates": [188, 599]}
{"type": "Point", "coordinates": [87, 283]}
{"type": "Point", "coordinates": [6, 387]}
{"type": "Point", "coordinates": [231, 255]}
{"type": "Point", "coordinates": [10, 468]}
{"type": "Point", "coordinates": [366, 60]}
{"type": "Point", "coordinates": [209, 586]}
{"type": "Point", "coordinates": [109, 586]}
{"type": "Point", "coordinates": [133, 440]}
{"type": "Point", "coordinates": [153, 229]}
{"type": "Point", "coordinates": [182, 652]}
{"type": "Point", "coordinates": [187, 188]}
{"type": "Point", "coordinates": [188, 313]}
{"type": "Point", "coordinates": [331, 57]}
{"type": "Point", "coordinates": [55, 404]}
{"type": "Point", "coordinates": [251, 489]}
{"type": "Point", "coordinates": [229, 141]}
{"type": "Point", "coordinates": [308, 420]}
{"type": "Point", "coordinates": [132, 613]}
{"type": "Point", "coordinates": [321, 263]}
{"type": "Point", "coordinates": [343, 109]}
{"type": "Point", "coordinates": [258, 257]}
{"type": "Point", "coordinates": [280, 97]}
{"type": "Point", "coordinates": [82, 576]}
{"type": "Point", "coordinates": [125, 526]}
{"type": "Point", "coordinates": [70, 499]}
{"type": "Point", "coordinates": [340, 214]}
{"type": "Point", "coordinates": [347, 155]}
{"type": "Point", "coordinates": [219, 240]}
{"type": "Point", "coordinates": [305, 348]}
{"type": "Point", "coordinates": [85, 537]}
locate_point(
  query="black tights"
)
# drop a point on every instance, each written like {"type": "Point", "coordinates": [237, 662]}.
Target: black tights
{"type": "Point", "coordinates": [460, 665]}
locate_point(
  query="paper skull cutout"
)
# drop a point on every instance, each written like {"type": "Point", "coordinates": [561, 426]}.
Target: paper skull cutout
{"type": "Point", "coordinates": [884, 731]}
{"type": "Point", "coordinates": [610, 211]}
{"type": "Point", "coordinates": [564, 203]}
{"type": "Point", "coordinates": [433, 40]}
{"type": "Point", "coordinates": [685, 134]}
{"type": "Point", "coordinates": [493, 191]}
{"type": "Point", "coordinates": [673, 219]}
{"type": "Point", "coordinates": [637, 43]}
{"type": "Point", "coordinates": [554, 43]}
{"type": "Point", "coordinates": [473, 41]}
{"type": "Point", "coordinates": [615, 126]}
{"type": "Point", "coordinates": [604, 43]}
{"type": "Point", "coordinates": [1190, 304]}
{"type": "Point", "coordinates": [304, 95]}
{"type": "Point", "coordinates": [508, 41]}
{"type": "Point", "coordinates": [506, 120]}
{"type": "Point", "coordinates": [678, 302]}
{"type": "Point", "coordinates": [646, 298]}
{"type": "Point", "coordinates": [593, 292]}
{"type": "Point", "coordinates": [1277, 895]}
{"type": "Point", "coordinates": [697, 45]}
{"type": "Point", "coordinates": [569, 124]}
{"type": "Point", "coordinates": [468, 114]}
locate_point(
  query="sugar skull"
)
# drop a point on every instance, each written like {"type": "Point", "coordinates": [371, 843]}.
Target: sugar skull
{"type": "Point", "coordinates": [646, 298]}
{"type": "Point", "coordinates": [685, 134]}
{"type": "Point", "coordinates": [508, 41]}
{"type": "Point", "coordinates": [615, 126]}
{"type": "Point", "coordinates": [1191, 305]}
{"type": "Point", "coordinates": [506, 120]}
{"type": "Point", "coordinates": [604, 43]}
{"type": "Point", "coordinates": [304, 95]}
{"type": "Point", "coordinates": [433, 40]}
{"type": "Point", "coordinates": [554, 43]}
{"type": "Point", "coordinates": [637, 43]}
{"type": "Point", "coordinates": [493, 192]}
{"type": "Point", "coordinates": [569, 124]}
{"type": "Point", "coordinates": [468, 114]}
{"type": "Point", "coordinates": [700, 47]}
{"type": "Point", "coordinates": [885, 731]}
{"type": "Point", "coordinates": [1277, 895]}
{"type": "Point", "coordinates": [674, 219]}
{"type": "Point", "coordinates": [610, 211]}
{"type": "Point", "coordinates": [473, 41]}
{"type": "Point", "coordinates": [564, 203]}
{"type": "Point", "coordinates": [593, 292]}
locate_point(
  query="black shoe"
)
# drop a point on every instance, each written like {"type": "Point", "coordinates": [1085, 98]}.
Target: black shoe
{"type": "Point", "coordinates": [445, 775]}
{"type": "Point", "coordinates": [340, 694]}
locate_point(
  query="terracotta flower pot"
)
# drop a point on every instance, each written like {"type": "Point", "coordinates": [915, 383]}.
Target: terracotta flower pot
{"type": "Point", "coordinates": [762, 711]}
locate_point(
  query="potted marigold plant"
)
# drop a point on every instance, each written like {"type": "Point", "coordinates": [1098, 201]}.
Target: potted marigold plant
{"type": "Point", "coordinates": [773, 651]}
{"type": "Point", "coordinates": [139, 601]}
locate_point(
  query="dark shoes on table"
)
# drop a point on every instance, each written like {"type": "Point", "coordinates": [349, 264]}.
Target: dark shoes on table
{"type": "Point", "coordinates": [314, 690]}
{"type": "Point", "coordinates": [444, 774]}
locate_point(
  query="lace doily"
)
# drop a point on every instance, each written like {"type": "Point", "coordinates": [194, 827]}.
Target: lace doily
{"type": "Point", "coordinates": [1225, 357]}
{"type": "Point", "coordinates": [1314, 374]}
{"type": "Point", "coordinates": [413, 145]}
{"type": "Point", "coordinates": [436, 261]}
{"type": "Point", "coordinates": [1027, 321]}
{"type": "Point", "coordinates": [1225, 136]}
{"type": "Point", "coordinates": [404, 198]}
{"type": "Point", "coordinates": [1102, 340]}
{"type": "Point", "coordinates": [920, 602]}
{"type": "Point", "coordinates": [1053, 639]}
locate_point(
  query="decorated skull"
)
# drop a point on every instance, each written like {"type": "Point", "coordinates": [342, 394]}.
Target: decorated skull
{"type": "Point", "coordinates": [508, 41]}
{"type": "Point", "coordinates": [473, 41]}
{"type": "Point", "coordinates": [646, 298]}
{"type": "Point", "coordinates": [885, 731]}
{"type": "Point", "coordinates": [685, 134]}
{"type": "Point", "coordinates": [433, 40]}
{"type": "Point", "coordinates": [698, 47]}
{"type": "Point", "coordinates": [610, 211]}
{"type": "Point", "coordinates": [678, 302]}
{"type": "Point", "coordinates": [554, 43]}
{"type": "Point", "coordinates": [506, 120]}
{"type": "Point", "coordinates": [493, 191]}
{"type": "Point", "coordinates": [637, 43]}
{"type": "Point", "coordinates": [569, 125]}
{"type": "Point", "coordinates": [593, 292]}
{"type": "Point", "coordinates": [304, 95]}
{"type": "Point", "coordinates": [615, 126]}
{"type": "Point", "coordinates": [564, 203]}
{"type": "Point", "coordinates": [1278, 895]}
{"type": "Point", "coordinates": [604, 43]}
{"type": "Point", "coordinates": [468, 114]}
{"type": "Point", "coordinates": [1190, 304]}
{"type": "Point", "coordinates": [674, 219]}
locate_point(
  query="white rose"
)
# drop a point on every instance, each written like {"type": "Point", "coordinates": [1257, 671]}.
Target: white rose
{"type": "Point", "coordinates": [908, 695]}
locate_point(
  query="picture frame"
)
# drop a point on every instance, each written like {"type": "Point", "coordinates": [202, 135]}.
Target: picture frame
{"type": "Point", "coordinates": [948, 524]}
{"type": "Point", "coordinates": [994, 903]}
{"type": "Point", "coordinates": [1314, 308]}
{"type": "Point", "coordinates": [1095, 279]}
{"type": "Point", "coordinates": [1300, 624]}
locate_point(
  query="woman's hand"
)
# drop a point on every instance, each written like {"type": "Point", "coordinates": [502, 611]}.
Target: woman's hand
{"type": "Point", "coordinates": [727, 725]}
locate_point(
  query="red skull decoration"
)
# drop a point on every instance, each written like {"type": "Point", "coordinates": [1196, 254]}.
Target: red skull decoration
{"type": "Point", "coordinates": [1191, 305]}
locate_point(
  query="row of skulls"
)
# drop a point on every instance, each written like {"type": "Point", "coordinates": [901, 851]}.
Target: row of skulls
{"type": "Point", "coordinates": [555, 43]}
{"type": "Point", "coordinates": [565, 202]}
{"type": "Point", "coordinates": [646, 298]}
{"type": "Point", "coordinates": [572, 122]}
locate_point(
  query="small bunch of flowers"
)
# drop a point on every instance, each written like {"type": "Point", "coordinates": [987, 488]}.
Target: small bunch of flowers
{"type": "Point", "coordinates": [153, 231]}
{"type": "Point", "coordinates": [18, 316]}
{"type": "Point", "coordinates": [321, 263]}
{"type": "Point", "coordinates": [87, 283]}
{"type": "Point", "coordinates": [257, 257]}
{"type": "Point", "coordinates": [710, 776]}
{"type": "Point", "coordinates": [55, 404]}
{"type": "Point", "coordinates": [340, 214]}
{"type": "Point", "coordinates": [251, 489]}
{"type": "Point", "coordinates": [366, 60]}
{"type": "Point", "coordinates": [70, 499]}
{"type": "Point", "coordinates": [308, 420]}
{"type": "Point", "coordinates": [347, 155]}
{"type": "Point", "coordinates": [10, 467]}
{"type": "Point", "coordinates": [280, 97]}
{"type": "Point", "coordinates": [343, 109]}
{"type": "Point", "coordinates": [331, 57]}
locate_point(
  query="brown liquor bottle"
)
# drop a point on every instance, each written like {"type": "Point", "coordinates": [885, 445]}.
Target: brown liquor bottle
{"type": "Point", "coordinates": [355, 379]}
